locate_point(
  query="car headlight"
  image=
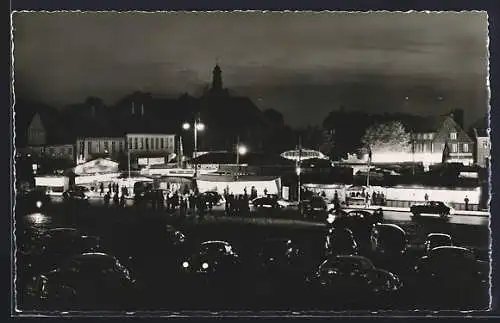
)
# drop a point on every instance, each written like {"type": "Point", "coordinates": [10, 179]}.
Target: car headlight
{"type": "Point", "coordinates": [39, 204]}
{"type": "Point", "coordinates": [204, 265]}
{"type": "Point", "coordinates": [185, 264]}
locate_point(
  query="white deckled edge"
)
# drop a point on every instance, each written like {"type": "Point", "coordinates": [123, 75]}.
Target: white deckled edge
{"type": "Point", "coordinates": [13, 244]}
{"type": "Point", "coordinates": [488, 131]}
{"type": "Point", "coordinates": [254, 11]}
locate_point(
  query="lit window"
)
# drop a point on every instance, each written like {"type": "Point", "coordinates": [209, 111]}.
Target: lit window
{"type": "Point", "coordinates": [454, 148]}
{"type": "Point", "coordinates": [466, 148]}
{"type": "Point", "coordinates": [453, 135]}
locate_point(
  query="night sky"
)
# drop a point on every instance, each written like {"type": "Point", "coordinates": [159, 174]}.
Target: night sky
{"type": "Point", "coordinates": [301, 64]}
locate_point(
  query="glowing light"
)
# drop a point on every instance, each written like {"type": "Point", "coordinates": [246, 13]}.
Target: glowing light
{"type": "Point", "coordinates": [200, 126]}
{"type": "Point", "coordinates": [37, 218]}
{"type": "Point", "coordinates": [242, 150]}
{"type": "Point", "coordinates": [38, 204]}
{"type": "Point", "coordinates": [298, 170]}
{"type": "Point", "coordinates": [186, 126]}
{"type": "Point", "coordinates": [330, 218]}
{"type": "Point", "coordinates": [204, 265]}
{"type": "Point", "coordinates": [185, 264]}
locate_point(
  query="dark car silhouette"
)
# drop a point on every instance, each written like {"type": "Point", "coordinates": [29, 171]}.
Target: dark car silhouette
{"type": "Point", "coordinates": [432, 207]}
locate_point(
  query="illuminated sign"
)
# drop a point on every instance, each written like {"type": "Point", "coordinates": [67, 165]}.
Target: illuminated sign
{"type": "Point", "coordinates": [303, 154]}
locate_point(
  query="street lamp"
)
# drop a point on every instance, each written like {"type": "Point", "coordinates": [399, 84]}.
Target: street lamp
{"type": "Point", "coordinates": [240, 150]}
{"type": "Point", "coordinates": [198, 126]}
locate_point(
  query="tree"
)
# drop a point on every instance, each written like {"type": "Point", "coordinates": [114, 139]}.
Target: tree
{"type": "Point", "coordinates": [389, 136]}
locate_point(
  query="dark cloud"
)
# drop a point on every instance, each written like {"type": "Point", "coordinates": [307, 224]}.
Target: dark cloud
{"type": "Point", "coordinates": [302, 64]}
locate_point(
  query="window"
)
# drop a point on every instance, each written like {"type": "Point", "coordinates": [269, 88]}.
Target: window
{"type": "Point", "coordinates": [82, 147]}
{"type": "Point", "coordinates": [136, 145]}
{"type": "Point", "coordinates": [157, 143]}
{"type": "Point", "coordinates": [89, 147]}
{"type": "Point", "coordinates": [113, 146]}
{"type": "Point", "coordinates": [453, 135]}
{"type": "Point", "coordinates": [98, 146]}
{"type": "Point", "coordinates": [142, 143]}
{"type": "Point", "coordinates": [129, 143]}
{"type": "Point", "coordinates": [466, 148]}
{"type": "Point", "coordinates": [147, 143]}
{"type": "Point", "coordinates": [431, 136]}
{"type": "Point", "coordinates": [106, 146]}
{"type": "Point", "coordinates": [152, 141]}
{"type": "Point", "coordinates": [454, 148]}
{"type": "Point", "coordinates": [485, 144]}
{"type": "Point", "coordinates": [162, 143]}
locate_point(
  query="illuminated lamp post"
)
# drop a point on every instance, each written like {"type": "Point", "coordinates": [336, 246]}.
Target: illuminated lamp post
{"type": "Point", "coordinates": [241, 150]}
{"type": "Point", "coordinates": [198, 126]}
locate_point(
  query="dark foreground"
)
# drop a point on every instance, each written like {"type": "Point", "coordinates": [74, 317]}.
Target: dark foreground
{"type": "Point", "coordinates": [137, 238]}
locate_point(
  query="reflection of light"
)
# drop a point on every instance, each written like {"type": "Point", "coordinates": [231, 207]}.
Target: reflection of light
{"type": "Point", "coordinates": [185, 264]}
{"type": "Point", "coordinates": [38, 204]}
{"type": "Point", "coordinates": [37, 218]}
{"type": "Point", "coordinates": [204, 265]}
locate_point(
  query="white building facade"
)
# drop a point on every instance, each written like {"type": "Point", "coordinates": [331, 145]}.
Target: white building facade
{"type": "Point", "coordinates": [150, 143]}
{"type": "Point", "coordinates": [91, 148]}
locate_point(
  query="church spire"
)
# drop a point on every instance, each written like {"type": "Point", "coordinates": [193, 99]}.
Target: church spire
{"type": "Point", "coordinates": [217, 78]}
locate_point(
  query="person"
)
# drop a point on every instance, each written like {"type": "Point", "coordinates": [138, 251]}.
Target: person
{"type": "Point", "coordinates": [192, 206]}
{"type": "Point", "coordinates": [382, 199]}
{"type": "Point", "coordinates": [336, 200]}
{"type": "Point", "coordinates": [265, 191]}
{"type": "Point", "coordinates": [466, 200]}
{"type": "Point", "coordinates": [107, 197]}
{"type": "Point", "coordinates": [253, 193]}
{"type": "Point", "coordinates": [323, 194]}
{"type": "Point", "coordinates": [210, 206]}
{"type": "Point", "coordinates": [109, 188]}
{"type": "Point", "coordinates": [426, 197]}
{"type": "Point", "coordinates": [101, 187]}
{"type": "Point", "coordinates": [122, 201]}
{"type": "Point", "coordinates": [116, 200]}
{"type": "Point", "coordinates": [183, 207]}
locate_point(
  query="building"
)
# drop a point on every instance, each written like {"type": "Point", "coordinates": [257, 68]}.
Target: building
{"type": "Point", "coordinates": [94, 147]}
{"type": "Point", "coordinates": [37, 136]}
{"type": "Point", "coordinates": [482, 151]}
{"type": "Point", "coordinates": [146, 148]}
{"type": "Point", "coordinates": [433, 140]}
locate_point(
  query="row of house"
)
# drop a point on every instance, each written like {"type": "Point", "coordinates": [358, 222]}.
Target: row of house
{"type": "Point", "coordinates": [437, 139]}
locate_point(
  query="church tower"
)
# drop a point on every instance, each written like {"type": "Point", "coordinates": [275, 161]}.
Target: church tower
{"type": "Point", "coordinates": [217, 78]}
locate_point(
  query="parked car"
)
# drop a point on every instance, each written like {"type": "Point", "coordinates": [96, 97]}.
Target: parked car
{"type": "Point", "coordinates": [212, 257]}
{"type": "Point", "coordinates": [340, 241]}
{"type": "Point", "coordinates": [269, 202]}
{"type": "Point", "coordinates": [374, 216]}
{"type": "Point", "coordinates": [434, 240]}
{"type": "Point", "coordinates": [87, 281]}
{"type": "Point", "coordinates": [451, 267]}
{"type": "Point", "coordinates": [349, 278]}
{"type": "Point", "coordinates": [281, 255]}
{"type": "Point", "coordinates": [56, 245]}
{"type": "Point", "coordinates": [75, 196]}
{"type": "Point", "coordinates": [388, 239]}
{"type": "Point", "coordinates": [432, 207]}
{"type": "Point", "coordinates": [360, 225]}
{"type": "Point", "coordinates": [213, 197]}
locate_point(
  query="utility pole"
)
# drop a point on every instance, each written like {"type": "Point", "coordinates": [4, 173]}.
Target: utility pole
{"type": "Point", "coordinates": [237, 155]}
{"type": "Point", "coordinates": [369, 166]}
{"type": "Point", "coordinates": [299, 171]}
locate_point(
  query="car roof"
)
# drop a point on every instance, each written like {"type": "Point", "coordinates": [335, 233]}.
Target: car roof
{"type": "Point", "coordinates": [390, 225]}
{"type": "Point", "coordinates": [213, 242]}
{"type": "Point", "coordinates": [451, 248]}
{"type": "Point", "coordinates": [435, 234]}
{"type": "Point", "coordinates": [62, 230]}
